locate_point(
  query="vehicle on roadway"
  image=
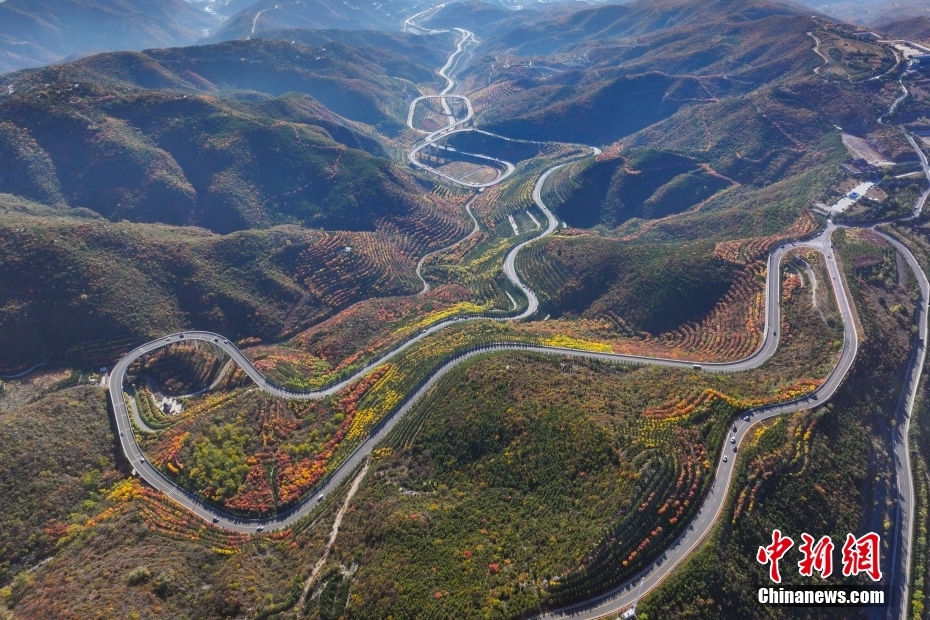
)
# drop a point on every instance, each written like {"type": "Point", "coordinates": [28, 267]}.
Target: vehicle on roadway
{"type": "Point", "coordinates": [260, 528]}
{"type": "Point", "coordinates": [697, 366]}
{"type": "Point", "coordinates": [725, 459]}
{"type": "Point", "coordinates": [732, 439]}
{"type": "Point", "coordinates": [320, 498]}
{"type": "Point", "coordinates": [734, 428]}
{"type": "Point", "coordinates": [216, 519]}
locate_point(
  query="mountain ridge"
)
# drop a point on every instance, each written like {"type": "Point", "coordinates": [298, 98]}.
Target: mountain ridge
{"type": "Point", "coordinates": [39, 32]}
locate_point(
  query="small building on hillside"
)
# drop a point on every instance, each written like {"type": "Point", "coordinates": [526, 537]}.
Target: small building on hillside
{"type": "Point", "coordinates": [865, 35]}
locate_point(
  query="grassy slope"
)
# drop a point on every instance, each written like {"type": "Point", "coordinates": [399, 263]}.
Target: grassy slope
{"type": "Point", "coordinates": [914, 28]}
{"type": "Point", "coordinates": [55, 454]}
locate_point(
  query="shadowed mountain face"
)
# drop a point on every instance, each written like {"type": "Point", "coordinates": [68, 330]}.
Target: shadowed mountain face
{"type": "Point", "coordinates": [368, 85]}
{"type": "Point", "coordinates": [914, 28]}
{"type": "Point", "coordinates": [192, 160]}
{"type": "Point", "coordinates": [133, 136]}
{"type": "Point", "coordinates": [647, 184]}
{"type": "Point", "coordinates": [633, 65]}
{"type": "Point", "coordinates": [39, 32]}
{"type": "Point", "coordinates": [630, 84]}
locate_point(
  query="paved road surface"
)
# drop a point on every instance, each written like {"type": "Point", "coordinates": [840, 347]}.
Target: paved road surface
{"type": "Point", "coordinates": [904, 514]}
{"type": "Point", "coordinates": [454, 126]}
{"type": "Point", "coordinates": [922, 200]}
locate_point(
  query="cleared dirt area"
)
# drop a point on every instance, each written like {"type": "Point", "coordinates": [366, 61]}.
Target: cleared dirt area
{"type": "Point", "coordinates": [859, 148]}
{"type": "Point", "coordinates": [467, 171]}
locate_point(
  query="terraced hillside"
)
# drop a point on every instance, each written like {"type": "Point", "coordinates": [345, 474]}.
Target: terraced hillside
{"type": "Point", "coordinates": [84, 289]}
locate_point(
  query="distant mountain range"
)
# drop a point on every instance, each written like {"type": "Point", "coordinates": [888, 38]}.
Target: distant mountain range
{"type": "Point", "coordinates": [265, 15]}
{"type": "Point", "coordinates": [871, 13]}
{"type": "Point", "coordinates": [40, 32]}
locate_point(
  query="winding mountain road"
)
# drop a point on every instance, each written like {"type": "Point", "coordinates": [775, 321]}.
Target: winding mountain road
{"type": "Point", "coordinates": [701, 525]}
{"type": "Point", "coordinates": [158, 480]}
{"type": "Point", "coordinates": [899, 573]}
{"type": "Point", "coordinates": [453, 126]}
